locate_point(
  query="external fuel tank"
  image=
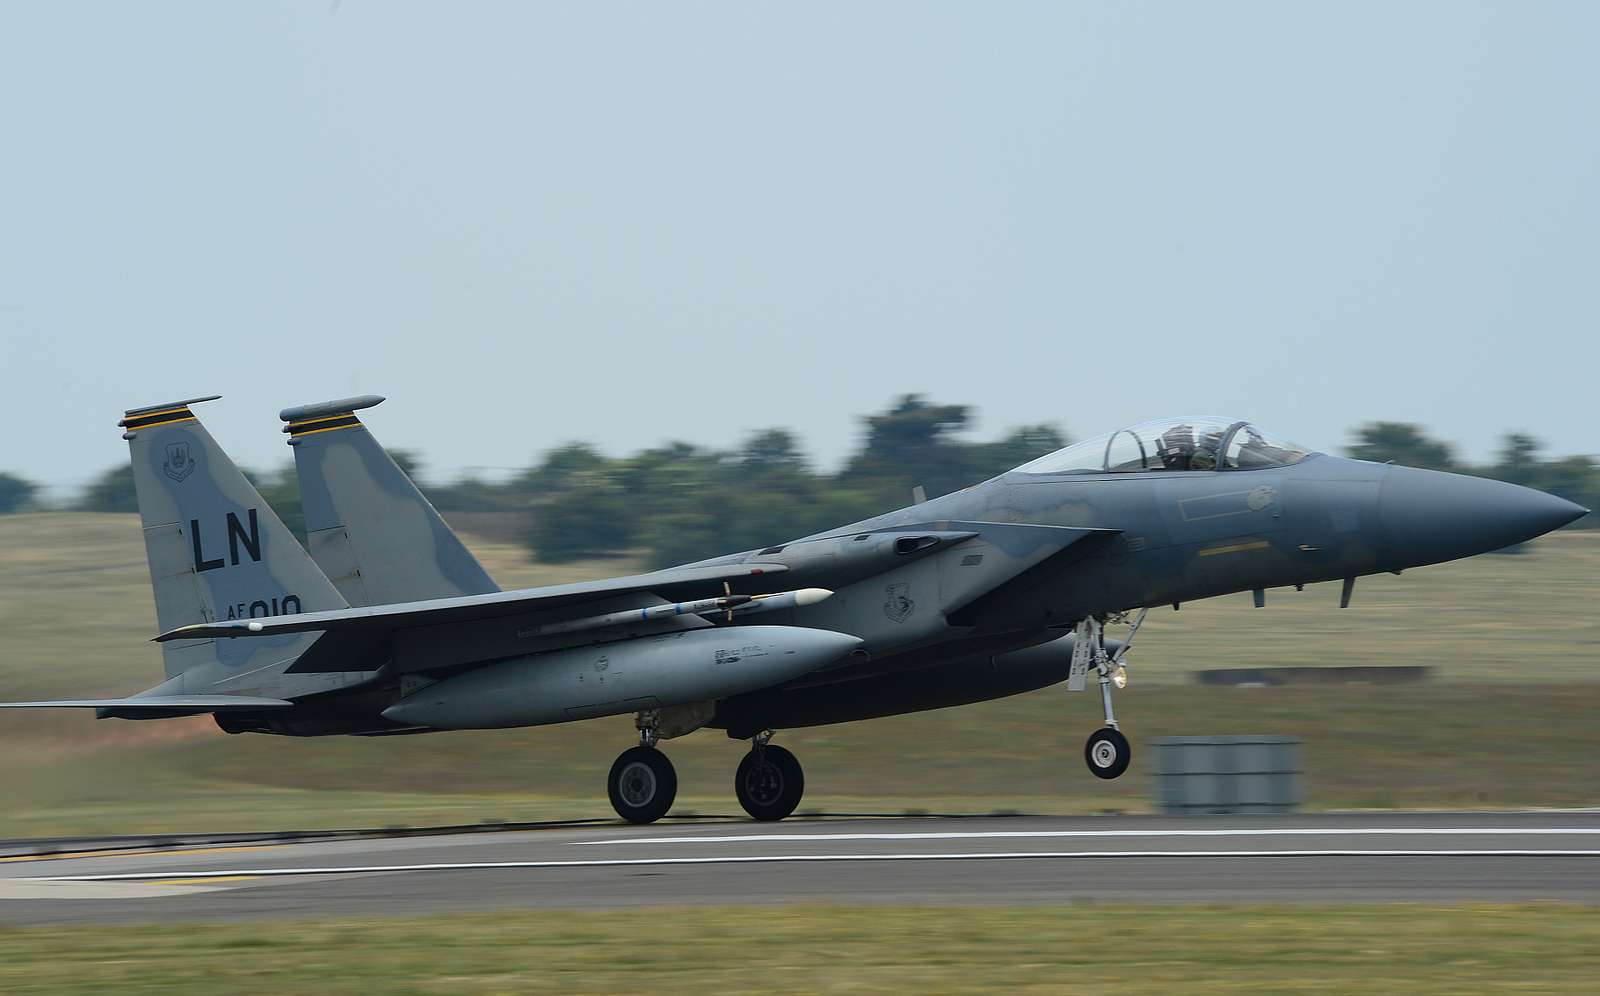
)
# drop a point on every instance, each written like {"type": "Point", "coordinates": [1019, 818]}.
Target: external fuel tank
{"type": "Point", "coordinates": [613, 678]}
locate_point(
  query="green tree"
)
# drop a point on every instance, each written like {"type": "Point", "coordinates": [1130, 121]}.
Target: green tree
{"type": "Point", "coordinates": [1401, 443]}
{"type": "Point", "coordinates": [1017, 448]}
{"type": "Point", "coordinates": [907, 432]}
{"type": "Point", "coordinates": [912, 444]}
{"type": "Point", "coordinates": [112, 491]}
{"type": "Point", "coordinates": [773, 450]}
{"type": "Point", "coordinates": [551, 473]}
{"type": "Point", "coordinates": [280, 489]}
{"type": "Point", "coordinates": [1519, 460]}
{"type": "Point", "coordinates": [15, 493]}
{"type": "Point", "coordinates": [409, 463]}
{"type": "Point", "coordinates": [588, 516]}
{"type": "Point", "coordinates": [681, 499]}
{"type": "Point", "coordinates": [474, 494]}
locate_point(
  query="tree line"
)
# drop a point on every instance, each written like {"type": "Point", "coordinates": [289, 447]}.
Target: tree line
{"type": "Point", "coordinates": [681, 502]}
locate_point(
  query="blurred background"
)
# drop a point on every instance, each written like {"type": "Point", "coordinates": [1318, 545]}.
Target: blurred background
{"type": "Point", "coordinates": [1492, 703]}
{"type": "Point", "coordinates": [651, 284]}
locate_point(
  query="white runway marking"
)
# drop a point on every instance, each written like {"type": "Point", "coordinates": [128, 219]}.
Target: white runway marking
{"type": "Point", "coordinates": [1003, 834]}
{"type": "Point", "coordinates": [783, 858]}
{"type": "Point", "coordinates": [34, 889]}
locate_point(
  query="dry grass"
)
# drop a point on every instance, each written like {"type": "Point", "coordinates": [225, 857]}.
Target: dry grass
{"type": "Point", "coordinates": [1421, 747]}
{"type": "Point", "coordinates": [1341, 949]}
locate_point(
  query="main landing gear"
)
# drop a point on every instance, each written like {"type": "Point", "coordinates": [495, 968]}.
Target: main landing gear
{"type": "Point", "coordinates": [1107, 752]}
{"type": "Point", "coordinates": [643, 784]}
{"type": "Point", "coordinates": [769, 782]}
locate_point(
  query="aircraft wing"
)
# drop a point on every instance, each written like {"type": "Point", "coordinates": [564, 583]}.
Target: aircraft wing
{"type": "Point", "coordinates": [674, 584]}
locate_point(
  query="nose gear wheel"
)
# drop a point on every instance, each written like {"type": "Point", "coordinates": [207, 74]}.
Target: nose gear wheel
{"type": "Point", "coordinates": [1107, 752]}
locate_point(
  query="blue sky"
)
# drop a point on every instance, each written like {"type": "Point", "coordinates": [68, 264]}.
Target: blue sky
{"type": "Point", "coordinates": [527, 223]}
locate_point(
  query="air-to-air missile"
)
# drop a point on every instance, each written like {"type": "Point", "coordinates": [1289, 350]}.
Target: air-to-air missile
{"type": "Point", "coordinates": [741, 605]}
{"type": "Point", "coordinates": [608, 679]}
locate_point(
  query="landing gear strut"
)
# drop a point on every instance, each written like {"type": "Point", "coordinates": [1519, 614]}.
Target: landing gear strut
{"type": "Point", "coordinates": [1108, 752]}
{"type": "Point", "coordinates": [642, 783]}
{"type": "Point", "coordinates": [769, 782]}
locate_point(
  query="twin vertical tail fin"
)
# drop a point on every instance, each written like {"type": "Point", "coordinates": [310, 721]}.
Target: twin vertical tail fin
{"type": "Point", "coordinates": [368, 526]}
{"type": "Point", "coordinates": [216, 549]}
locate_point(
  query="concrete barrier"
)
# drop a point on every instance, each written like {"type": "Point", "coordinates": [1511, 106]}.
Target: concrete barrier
{"type": "Point", "coordinates": [1199, 775]}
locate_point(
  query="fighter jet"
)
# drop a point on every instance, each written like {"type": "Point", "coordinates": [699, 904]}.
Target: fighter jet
{"type": "Point", "coordinates": [390, 626]}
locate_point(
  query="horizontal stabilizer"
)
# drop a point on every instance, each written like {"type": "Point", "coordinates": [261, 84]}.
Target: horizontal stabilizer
{"type": "Point", "coordinates": [198, 703]}
{"type": "Point", "coordinates": [674, 584]}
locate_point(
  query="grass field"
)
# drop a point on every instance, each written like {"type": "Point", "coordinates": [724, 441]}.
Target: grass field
{"type": "Point", "coordinates": [1514, 640]}
{"type": "Point", "coordinates": [1420, 949]}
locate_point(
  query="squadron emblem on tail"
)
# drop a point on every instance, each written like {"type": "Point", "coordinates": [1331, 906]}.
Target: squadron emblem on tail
{"type": "Point", "coordinates": [179, 463]}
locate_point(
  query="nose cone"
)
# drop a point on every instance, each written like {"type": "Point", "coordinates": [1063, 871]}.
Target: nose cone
{"type": "Point", "coordinates": [1428, 517]}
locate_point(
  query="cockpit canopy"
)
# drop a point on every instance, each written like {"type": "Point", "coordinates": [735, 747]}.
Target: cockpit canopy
{"type": "Point", "coordinates": [1201, 442]}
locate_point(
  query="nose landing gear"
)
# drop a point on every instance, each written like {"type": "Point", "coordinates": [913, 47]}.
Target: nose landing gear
{"type": "Point", "coordinates": [1107, 752]}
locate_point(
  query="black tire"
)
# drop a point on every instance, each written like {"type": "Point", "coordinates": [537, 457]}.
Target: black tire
{"type": "Point", "coordinates": [770, 788]}
{"type": "Point", "coordinates": [1107, 753]}
{"type": "Point", "coordinates": [642, 785]}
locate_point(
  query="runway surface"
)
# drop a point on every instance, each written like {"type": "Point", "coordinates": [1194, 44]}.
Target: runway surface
{"type": "Point", "coordinates": [1362, 858]}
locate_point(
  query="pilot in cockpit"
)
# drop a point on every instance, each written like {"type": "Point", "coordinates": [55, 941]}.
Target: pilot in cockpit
{"type": "Point", "coordinates": [1205, 452]}
{"type": "Point", "coordinates": [1177, 447]}
{"type": "Point", "coordinates": [1181, 450]}
{"type": "Point", "coordinates": [1209, 444]}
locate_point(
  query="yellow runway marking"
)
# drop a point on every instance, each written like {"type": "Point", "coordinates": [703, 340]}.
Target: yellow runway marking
{"type": "Point", "coordinates": [71, 855]}
{"type": "Point", "coordinates": [1235, 548]}
{"type": "Point", "coordinates": [201, 881]}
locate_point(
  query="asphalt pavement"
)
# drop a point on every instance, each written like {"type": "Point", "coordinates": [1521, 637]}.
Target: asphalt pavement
{"type": "Point", "coordinates": [1310, 858]}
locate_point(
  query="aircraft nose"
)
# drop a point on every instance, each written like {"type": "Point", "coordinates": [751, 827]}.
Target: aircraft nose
{"type": "Point", "coordinates": [1428, 516]}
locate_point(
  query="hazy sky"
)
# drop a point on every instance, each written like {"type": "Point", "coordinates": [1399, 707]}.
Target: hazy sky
{"type": "Point", "coordinates": [527, 223]}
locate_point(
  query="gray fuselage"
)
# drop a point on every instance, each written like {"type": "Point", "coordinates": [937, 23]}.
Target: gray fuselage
{"type": "Point", "coordinates": [1163, 538]}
